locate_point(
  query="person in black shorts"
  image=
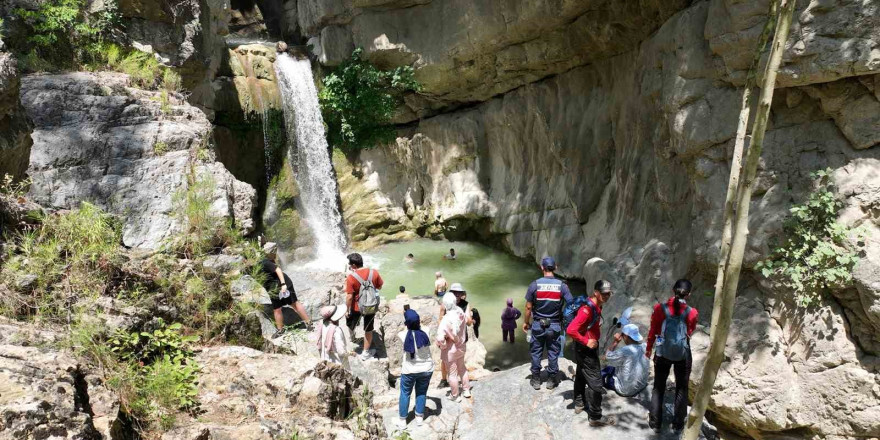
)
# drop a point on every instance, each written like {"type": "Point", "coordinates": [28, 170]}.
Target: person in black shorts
{"type": "Point", "coordinates": [281, 293]}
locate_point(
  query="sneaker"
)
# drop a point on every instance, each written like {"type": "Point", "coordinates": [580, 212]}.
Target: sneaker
{"type": "Point", "coordinates": [400, 423]}
{"type": "Point", "coordinates": [278, 333]}
{"type": "Point", "coordinates": [553, 382]}
{"type": "Point", "coordinates": [420, 420]}
{"type": "Point", "coordinates": [467, 394]}
{"type": "Point", "coordinates": [535, 383]}
{"type": "Point", "coordinates": [443, 384]}
{"type": "Point", "coordinates": [452, 398]}
{"type": "Point", "coordinates": [578, 409]}
{"type": "Point", "coordinates": [366, 355]}
{"type": "Point", "coordinates": [603, 421]}
{"type": "Point", "coordinates": [372, 352]}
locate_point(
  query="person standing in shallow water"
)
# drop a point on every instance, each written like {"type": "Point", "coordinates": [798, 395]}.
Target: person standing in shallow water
{"type": "Point", "coordinates": [508, 321]}
{"type": "Point", "coordinates": [672, 325]}
{"type": "Point", "coordinates": [440, 284]}
{"type": "Point", "coordinates": [545, 300]}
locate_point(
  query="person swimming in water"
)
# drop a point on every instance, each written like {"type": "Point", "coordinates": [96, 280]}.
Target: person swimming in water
{"type": "Point", "coordinates": [450, 255]}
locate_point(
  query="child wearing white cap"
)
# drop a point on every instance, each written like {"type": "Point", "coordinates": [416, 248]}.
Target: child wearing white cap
{"type": "Point", "coordinates": [626, 370]}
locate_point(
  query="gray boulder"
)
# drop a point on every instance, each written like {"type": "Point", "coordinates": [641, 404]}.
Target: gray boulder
{"type": "Point", "coordinates": [97, 140]}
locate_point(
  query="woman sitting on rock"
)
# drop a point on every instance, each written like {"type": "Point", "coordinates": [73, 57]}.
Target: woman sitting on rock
{"type": "Point", "coordinates": [331, 337]}
{"type": "Point", "coordinates": [417, 367]}
{"type": "Point", "coordinates": [451, 338]}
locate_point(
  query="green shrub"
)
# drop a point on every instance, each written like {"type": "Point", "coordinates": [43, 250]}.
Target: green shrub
{"type": "Point", "coordinates": [154, 374]}
{"type": "Point", "coordinates": [813, 256]}
{"type": "Point", "coordinates": [12, 188]}
{"type": "Point", "coordinates": [71, 256]}
{"type": "Point", "coordinates": [160, 148]}
{"type": "Point", "coordinates": [171, 81]}
{"type": "Point", "coordinates": [141, 67]}
{"type": "Point", "coordinates": [358, 101]}
{"type": "Point", "coordinates": [63, 33]}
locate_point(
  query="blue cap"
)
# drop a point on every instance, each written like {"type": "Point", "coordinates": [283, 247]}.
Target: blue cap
{"type": "Point", "coordinates": [548, 262]}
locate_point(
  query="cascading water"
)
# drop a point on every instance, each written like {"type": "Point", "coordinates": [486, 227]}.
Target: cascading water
{"type": "Point", "coordinates": [307, 150]}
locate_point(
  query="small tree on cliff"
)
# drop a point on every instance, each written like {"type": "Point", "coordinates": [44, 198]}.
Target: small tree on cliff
{"type": "Point", "coordinates": [358, 101]}
{"type": "Point", "coordinates": [736, 209]}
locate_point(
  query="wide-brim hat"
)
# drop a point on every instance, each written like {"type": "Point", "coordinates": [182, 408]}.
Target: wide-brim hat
{"type": "Point", "coordinates": [632, 331]}
{"type": "Point", "coordinates": [457, 287]}
{"type": "Point", "coordinates": [341, 310]}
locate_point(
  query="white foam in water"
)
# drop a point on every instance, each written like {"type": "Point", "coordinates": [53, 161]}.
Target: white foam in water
{"type": "Point", "coordinates": [314, 172]}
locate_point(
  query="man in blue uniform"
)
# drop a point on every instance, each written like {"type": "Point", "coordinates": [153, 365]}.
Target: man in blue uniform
{"type": "Point", "coordinates": [545, 301]}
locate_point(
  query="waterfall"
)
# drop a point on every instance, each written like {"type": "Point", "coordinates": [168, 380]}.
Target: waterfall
{"type": "Point", "coordinates": [308, 152]}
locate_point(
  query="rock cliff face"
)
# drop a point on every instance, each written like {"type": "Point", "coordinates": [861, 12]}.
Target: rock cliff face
{"type": "Point", "coordinates": [98, 140]}
{"type": "Point", "coordinates": [618, 168]}
{"type": "Point", "coordinates": [15, 127]}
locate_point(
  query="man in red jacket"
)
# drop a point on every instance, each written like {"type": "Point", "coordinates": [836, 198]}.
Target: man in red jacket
{"type": "Point", "coordinates": [675, 307]}
{"type": "Point", "coordinates": [585, 329]}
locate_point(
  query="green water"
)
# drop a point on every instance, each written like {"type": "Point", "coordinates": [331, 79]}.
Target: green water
{"type": "Point", "coordinates": [489, 276]}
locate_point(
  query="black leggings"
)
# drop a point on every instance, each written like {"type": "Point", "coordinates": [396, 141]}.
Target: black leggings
{"type": "Point", "coordinates": [682, 371]}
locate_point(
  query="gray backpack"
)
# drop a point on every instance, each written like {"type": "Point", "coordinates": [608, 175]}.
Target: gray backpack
{"type": "Point", "coordinates": [675, 345]}
{"type": "Point", "coordinates": [368, 300]}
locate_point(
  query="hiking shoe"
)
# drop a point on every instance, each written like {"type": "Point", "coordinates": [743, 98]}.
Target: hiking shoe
{"type": "Point", "coordinates": [578, 409]}
{"type": "Point", "coordinates": [467, 394]}
{"type": "Point", "coordinates": [535, 383]}
{"type": "Point", "coordinates": [278, 333]}
{"type": "Point", "coordinates": [656, 428]}
{"type": "Point", "coordinates": [603, 421]}
{"type": "Point", "coordinates": [553, 382]}
{"type": "Point", "coordinates": [443, 384]}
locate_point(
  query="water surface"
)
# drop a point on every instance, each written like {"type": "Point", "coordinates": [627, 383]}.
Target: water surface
{"type": "Point", "coordinates": [490, 277]}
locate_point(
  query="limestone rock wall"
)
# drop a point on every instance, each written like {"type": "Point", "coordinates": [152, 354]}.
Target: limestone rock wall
{"type": "Point", "coordinates": [466, 51]}
{"type": "Point", "coordinates": [98, 140]}
{"type": "Point", "coordinates": [619, 168]}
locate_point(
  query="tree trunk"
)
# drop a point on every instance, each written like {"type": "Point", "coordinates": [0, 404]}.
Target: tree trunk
{"type": "Point", "coordinates": [733, 265]}
{"type": "Point", "coordinates": [737, 159]}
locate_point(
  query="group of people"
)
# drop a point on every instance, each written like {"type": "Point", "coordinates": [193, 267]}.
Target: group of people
{"type": "Point", "coordinates": [552, 313]}
{"type": "Point", "coordinates": [626, 358]}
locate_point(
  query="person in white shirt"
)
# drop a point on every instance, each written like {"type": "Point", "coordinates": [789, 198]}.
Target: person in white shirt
{"type": "Point", "coordinates": [332, 337]}
{"type": "Point", "coordinates": [626, 370]}
{"type": "Point", "coordinates": [417, 367]}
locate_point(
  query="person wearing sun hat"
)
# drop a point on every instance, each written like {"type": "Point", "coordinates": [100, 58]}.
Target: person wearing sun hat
{"type": "Point", "coordinates": [331, 337]}
{"type": "Point", "coordinates": [626, 370]}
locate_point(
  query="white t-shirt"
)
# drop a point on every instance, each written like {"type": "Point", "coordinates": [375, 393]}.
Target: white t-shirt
{"type": "Point", "coordinates": [632, 368]}
{"type": "Point", "coordinates": [422, 361]}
